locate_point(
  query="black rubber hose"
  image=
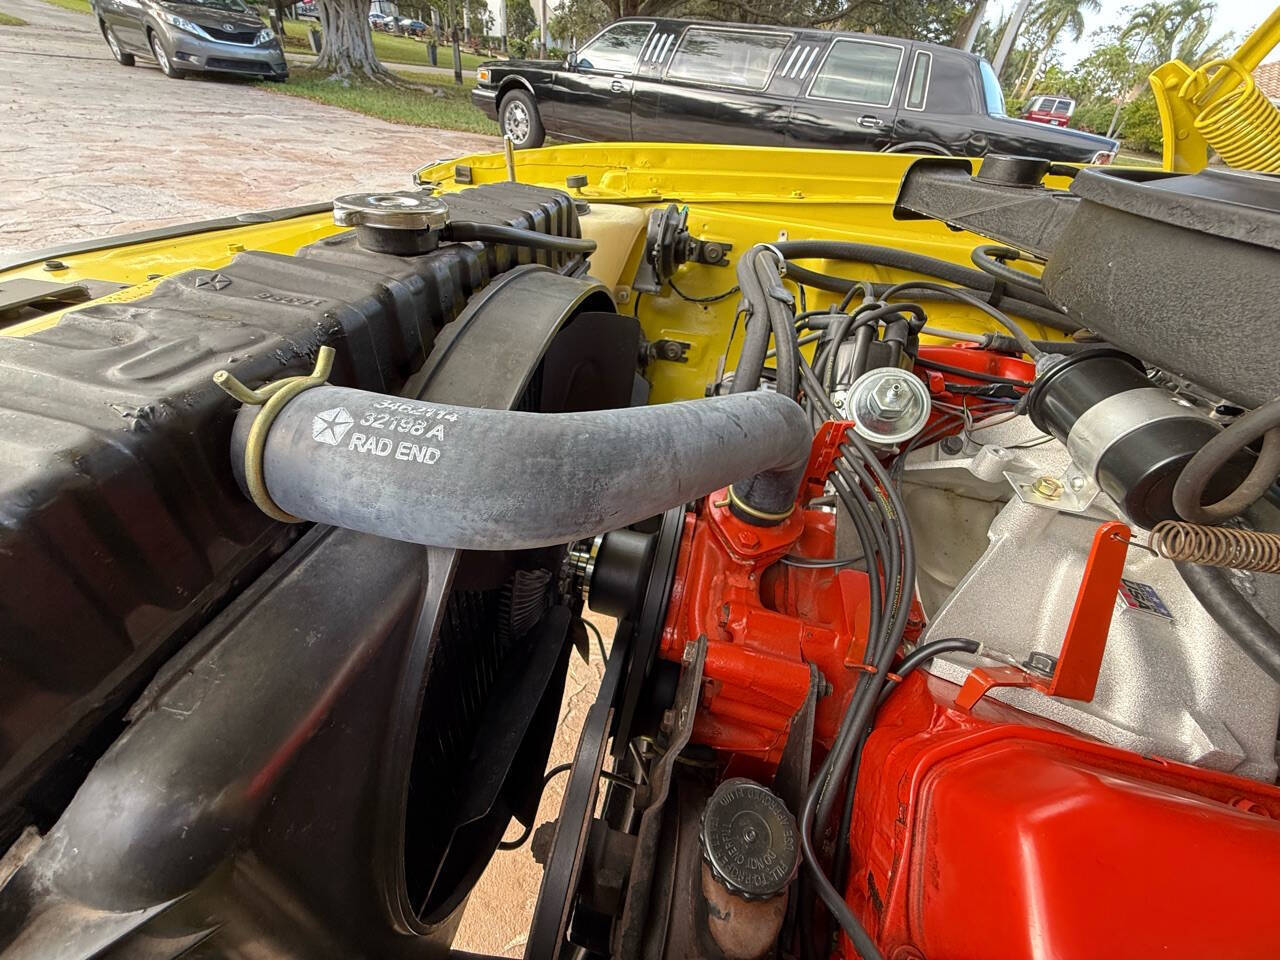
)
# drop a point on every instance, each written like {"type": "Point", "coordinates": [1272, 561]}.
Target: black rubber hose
{"type": "Point", "coordinates": [1213, 456]}
{"type": "Point", "coordinates": [1047, 316]}
{"type": "Point", "coordinates": [990, 259]}
{"type": "Point", "coordinates": [930, 364]}
{"type": "Point", "coordinates": [477, 479]}
{"type": "Point", "coordinates": [924, 653]}
{"type": "Point", "coordinates": [900, 260]}
{"type": "Point", "coordinates": [1024, 341]}
{"type": "Point", "coordinates": [463, 232]}
{"type": "Point", "coordinates": [781, 311]}
{"type": "Point", "coordinates": [1235, 615]}
{"type": "Point", "coordinates": [755, 339]}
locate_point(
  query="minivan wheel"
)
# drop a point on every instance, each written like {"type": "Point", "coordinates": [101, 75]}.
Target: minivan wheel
{"type": "Point", "coordinates": [162, 58]}
{"type": "Point", "coordinates": [519, 119]}
{"type": "Point", "coordinates": [122, 58]}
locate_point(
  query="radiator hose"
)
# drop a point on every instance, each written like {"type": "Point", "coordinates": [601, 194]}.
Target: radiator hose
{"type": "Point", "coordinates": [478, 479]}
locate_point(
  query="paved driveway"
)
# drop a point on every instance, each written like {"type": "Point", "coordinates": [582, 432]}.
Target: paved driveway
{"type": "Point", "coordinates": [88, 147]}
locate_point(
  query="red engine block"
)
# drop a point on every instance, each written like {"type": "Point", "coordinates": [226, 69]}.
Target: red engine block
{"type": "Point", "coordinates": [987, 833]}
{"type": "Point", "coordinates": [765, 622]}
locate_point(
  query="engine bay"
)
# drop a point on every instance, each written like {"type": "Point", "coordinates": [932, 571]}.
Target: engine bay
{"type": "Point", "coordinates": [939, 522]}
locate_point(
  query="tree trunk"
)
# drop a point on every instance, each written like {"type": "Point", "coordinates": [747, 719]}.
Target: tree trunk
{"type": "Point", "coordinates": [967, 29]}
{"type": "Point", "coordinates": [1124, 94]}
{"type": "Point", "coordinates": [346, 52]}
{"type": "Point", "coordinates": [1035, 72]}
{"type": "Point", "coordinates": [453, 36]}
{"type": "Point", "coordinates": [1049, 41]}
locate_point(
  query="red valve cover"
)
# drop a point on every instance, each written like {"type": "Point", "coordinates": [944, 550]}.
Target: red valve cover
{"type": "Point", "coordinates": [988, 834]}
{"type": "Point", "coordinates": [994, 835]}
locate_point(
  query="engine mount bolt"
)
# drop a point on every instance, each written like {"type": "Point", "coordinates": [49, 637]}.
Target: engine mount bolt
{"type": "Point", "coordinates": [1050, 488]}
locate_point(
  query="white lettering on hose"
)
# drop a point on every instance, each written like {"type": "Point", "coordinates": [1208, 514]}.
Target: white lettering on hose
{"type": "Point", "coordinates": [413, 451]}
{"type": "Point", "coordinates": [382, 446]}
{"type": "Point", "coordinates": [378, 446]}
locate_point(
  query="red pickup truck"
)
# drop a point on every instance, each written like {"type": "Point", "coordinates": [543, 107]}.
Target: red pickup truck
{"type": "Point", "coordinates": [1052, 110]}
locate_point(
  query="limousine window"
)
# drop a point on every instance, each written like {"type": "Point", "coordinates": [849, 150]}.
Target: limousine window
{"type": "Point", "coordinates": [919, 85]}
{"type": "Point", "coordinates": [859, 71]}
{"type": "Point", "coordinates": [952, 89]}
{"type": "Point", "coordinates": [727, 58]}
{"type": "Point", "coordinates": [991, 88]}
{"type": "Point", "coordinates": [617, 49]}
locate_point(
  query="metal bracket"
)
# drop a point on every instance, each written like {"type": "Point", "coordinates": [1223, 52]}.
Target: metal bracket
{"type": "Point", "coordinates": [1075, 674]}
{"type": "Point", "coordinates": [822, 456]}
{"type": "Point", "coordinates": [713, 253]}
{"type": "Point", "coordinates": [1070, 492]}
{"type": "Point", "coordinates": [675, 351]}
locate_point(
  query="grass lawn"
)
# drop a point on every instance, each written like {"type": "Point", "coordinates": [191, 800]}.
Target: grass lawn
{"type": "Point", "coordinates": [417, 106]}
{"type": "Point", "coordinates": [389, 47]}
{"type": "Point", "coordinates": [8, 21]}
{"type": "Point", "coordinates": [1133, 158]}
{"type": "Point", "coordinates": [79, 6]}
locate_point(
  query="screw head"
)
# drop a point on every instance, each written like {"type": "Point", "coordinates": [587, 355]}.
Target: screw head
{"type": "Point", "coordinates": [1050, 488]}
{"type": "Point", "coordinates": [748, 539]}
{"type": "Point", "coordinates": [1042, 663]}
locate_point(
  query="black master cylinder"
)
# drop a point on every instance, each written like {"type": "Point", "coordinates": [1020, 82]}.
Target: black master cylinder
{"type": "Point", "coordinates": [481, 479]}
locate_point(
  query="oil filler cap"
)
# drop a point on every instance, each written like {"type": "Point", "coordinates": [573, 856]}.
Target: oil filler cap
{"type": "Point", "coordinates": [749, 840]}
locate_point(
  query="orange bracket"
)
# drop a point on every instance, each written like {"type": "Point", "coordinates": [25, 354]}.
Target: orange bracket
{"type": "Point", "coordinates": [1076, 674]}
{"type": "Point", "coordinates": [822, 457]}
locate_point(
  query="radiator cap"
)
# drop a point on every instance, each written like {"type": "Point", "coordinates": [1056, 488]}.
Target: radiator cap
{"type": "Point", "coordinates": [402, 222]}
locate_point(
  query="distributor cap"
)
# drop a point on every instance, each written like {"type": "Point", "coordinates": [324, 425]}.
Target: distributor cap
{"type": "Point", "coordinates": [749, 840]}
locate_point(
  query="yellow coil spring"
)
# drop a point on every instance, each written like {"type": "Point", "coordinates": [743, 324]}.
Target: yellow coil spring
{"type": "Point", "coordinates": [1217, 546]}
{"type": "Point", "coordinates": [1240, 123]}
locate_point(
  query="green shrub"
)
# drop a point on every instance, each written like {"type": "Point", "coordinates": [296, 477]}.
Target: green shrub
{"type": "Point", "coordinates": [1140, 125]}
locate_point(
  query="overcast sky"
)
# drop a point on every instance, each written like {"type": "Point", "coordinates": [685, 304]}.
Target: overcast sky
{"type": "Point", "coordinates": [1237, 16]}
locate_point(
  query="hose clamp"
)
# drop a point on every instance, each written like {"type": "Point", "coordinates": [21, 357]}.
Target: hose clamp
{"type": "Point", "coordinates": [744, 507]}
{"type": "Point", "coordinates": [271, 398]}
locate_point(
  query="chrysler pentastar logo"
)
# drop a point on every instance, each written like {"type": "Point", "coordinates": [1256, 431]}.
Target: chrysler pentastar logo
{"type": "Point", "coordinates": [330, 426]}
{"type": "Point", "coordinates": [215, 280]}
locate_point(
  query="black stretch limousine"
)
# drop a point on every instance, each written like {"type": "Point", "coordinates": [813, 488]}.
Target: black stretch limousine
{"type": "Point", "coordinates": [656, 79]}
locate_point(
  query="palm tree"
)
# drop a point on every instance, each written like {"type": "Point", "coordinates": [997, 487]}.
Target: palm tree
{"type": "Point", "coordinates": [1194, 45]}
{"type": "Point", "coordinates": [1056, 17]}
{"type": "Point", "coordinates": [1182, 16]}
{"type": "Point", "coordinates": [1180, 30]}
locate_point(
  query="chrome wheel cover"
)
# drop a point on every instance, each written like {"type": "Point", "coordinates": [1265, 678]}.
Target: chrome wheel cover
{"type": "Point", "coordinates": [515, 121]}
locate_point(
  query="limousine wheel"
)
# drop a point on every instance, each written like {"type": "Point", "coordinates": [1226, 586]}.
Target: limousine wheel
{"type": "Point", "coordinates": [122, 58]}
{"type": "Point", "coordinates": [519, 119]}
{"type": "Point", "coordinates": [920, 146]}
